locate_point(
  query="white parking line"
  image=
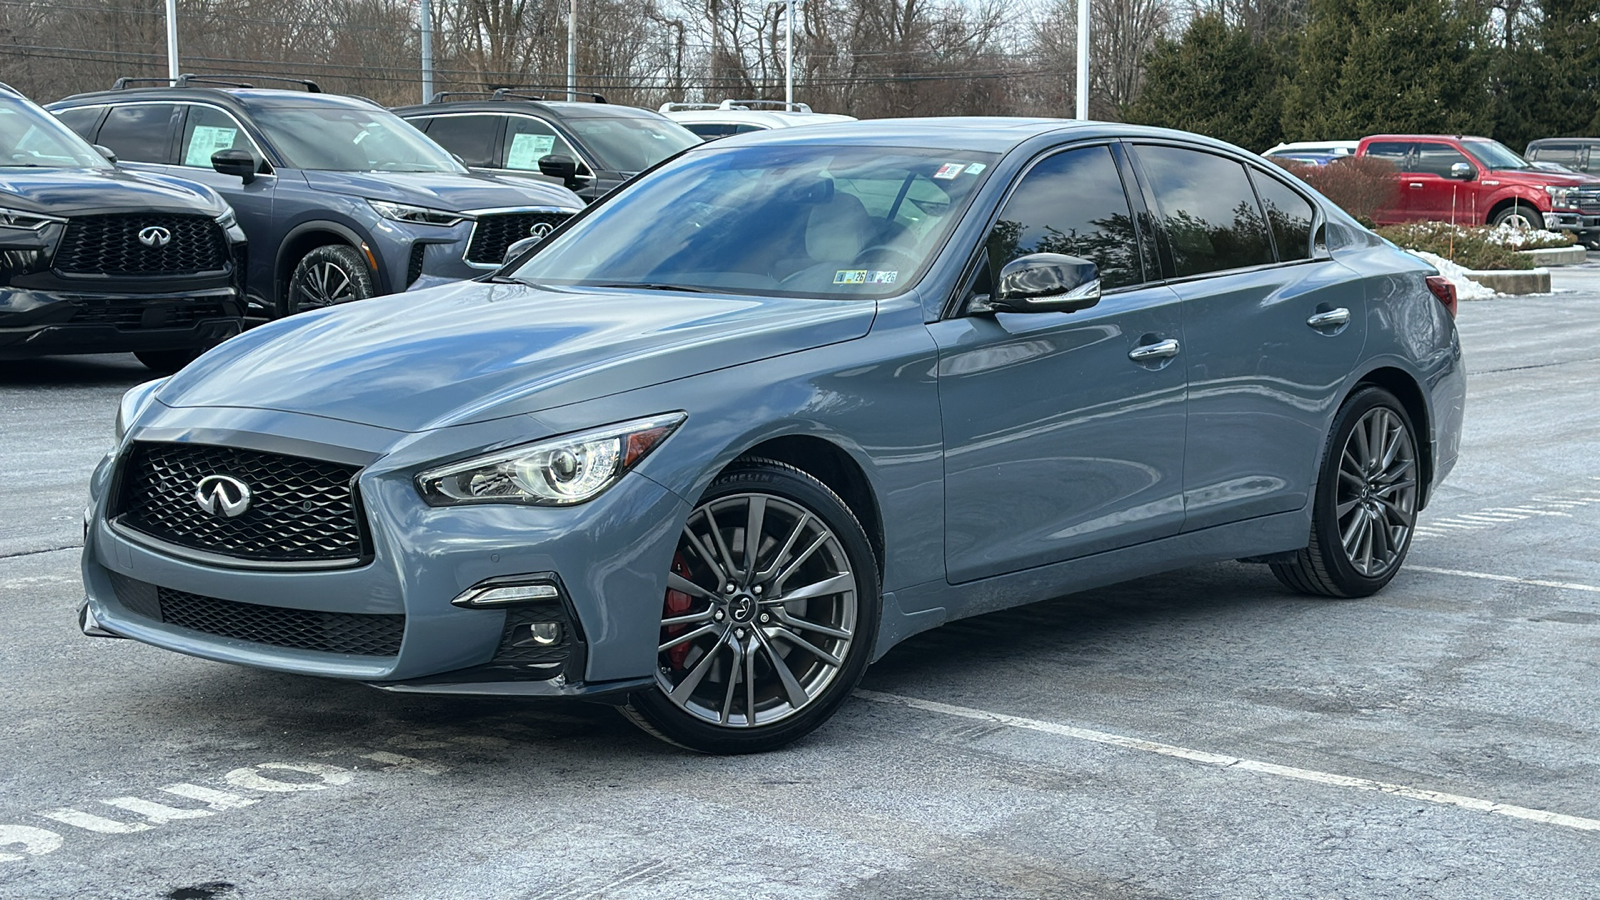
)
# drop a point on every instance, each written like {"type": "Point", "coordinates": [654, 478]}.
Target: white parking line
{"type": "Point", "coordinates": [1232, 762]}
{"type": "Point", "coordinates": [1563, 585]}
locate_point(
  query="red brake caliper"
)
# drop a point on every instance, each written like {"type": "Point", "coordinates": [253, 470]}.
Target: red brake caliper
{"type": "Point", "coordinates": [677, 604]}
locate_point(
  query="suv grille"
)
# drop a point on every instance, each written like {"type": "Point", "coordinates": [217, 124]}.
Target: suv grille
{"type": "Point", "coordinates": [1587, 200]}
{"type": "Point", "coordinates": [301, 510]}
{"type": "Point", "coordinates": [494, 233]}
{"type": "Point", "coordinates": [109, 245]}
{"type": "Point", "coordinates": [359, 634]}
{"type": "Point", "coordinates": [146, 315]}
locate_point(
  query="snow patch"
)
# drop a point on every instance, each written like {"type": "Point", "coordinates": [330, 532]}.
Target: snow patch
{"type": "Point", "coordinates": [1466, 288]}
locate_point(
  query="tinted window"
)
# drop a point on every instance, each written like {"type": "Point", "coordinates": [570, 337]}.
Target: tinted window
{"type": "Point", "coordinates": [470, 137]}
{"type": "Point", "coordinates": [529, 140]}
{"type": "Point", "coordinates": [1394, 151]}
{"type": "Point", "coordinates": [207, 130]}
{"type": "Point", "coordinates": [1289, 214]}
{"type": "Point", "coordinates": [630, 143]}
{"type": "Point", "coordinates": [746, 129]}
{"type": "Point", "coordinates": [1071, 203]}
{"type": "Point", "coordinates": [139, 133]}
{"type": "Point", "coordinates": [710, 130]}
{"type": "Point", "coordinates": [1436, 159]}
{"type": "Point", "coordinates": [82, 120]}
{"type": "Point", "coordinates": [1565, 154]}
{"type": "Point", "coordinates": [1212, 219]}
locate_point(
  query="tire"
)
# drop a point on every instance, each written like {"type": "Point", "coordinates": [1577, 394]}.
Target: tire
{"type": "Point", "coordinates": [167, 361]}
{"type": "Point", "coordinates": [1519, 214]}
{"type": "Point", "coordinates": [329, 275]}
{"type": "Point", "coordinates": [1357, 490]}
{"type": "Point", "coordinates": [792, 638]}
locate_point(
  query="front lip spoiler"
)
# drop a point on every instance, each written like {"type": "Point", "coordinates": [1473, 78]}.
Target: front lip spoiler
{"type": "Point", "coordinates": [91, 626]}
{"type": "Point", "coordinates": [512, 681]}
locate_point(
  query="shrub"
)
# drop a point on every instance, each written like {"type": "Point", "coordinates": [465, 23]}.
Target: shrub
{"type": "Point", "coordinates": [1359, 185]}
{"type": "Point", "coordinates": [1525, 239]}
{"type": "Point", "coordinates": [1470, 248]}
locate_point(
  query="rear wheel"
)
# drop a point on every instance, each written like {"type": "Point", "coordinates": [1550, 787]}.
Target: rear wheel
{"type": "Point", "coordinates": [769, 617]}
{"type": "Point", "coordinates": [1366, 502]}
{"type": "Point", "coordinates": [327, 276]}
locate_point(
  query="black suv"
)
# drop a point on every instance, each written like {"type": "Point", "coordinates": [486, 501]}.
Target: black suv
{"type": "Point", "coordinates": [341, 198]}
{"type": "Point", "coordinates": [94, 259]}
{"type": "Point", "coordinates": [590, 147]}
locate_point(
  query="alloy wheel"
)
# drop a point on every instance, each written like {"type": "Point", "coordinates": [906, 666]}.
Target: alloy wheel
{"type": "Point", "coordinates": [325, 284]}
{"type": "Point", "coordinates": [1377, 492]}
{"type": "Point", "coordinates": [760, 612]}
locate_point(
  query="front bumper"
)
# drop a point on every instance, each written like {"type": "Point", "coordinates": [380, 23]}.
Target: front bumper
{"type": "Point", "coordinates": [1578, 223]}
{"type": "Point", "coordinates": [611, 556]}
{"type": "Point", "coordinates": [39, 322]}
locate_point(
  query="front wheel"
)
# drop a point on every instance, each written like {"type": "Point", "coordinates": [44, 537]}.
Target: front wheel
{"type": "Point", "coordinates": [1521, 216]}
{"type": "Point", "coordinates": [1366, 501]}
{"type": "Point", "coordinates": [770, 614]}
{"type": "Point", "coordinates": [327, 276]}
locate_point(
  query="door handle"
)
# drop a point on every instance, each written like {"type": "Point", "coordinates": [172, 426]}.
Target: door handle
{"type": "Point", "coordinates": [1332, 317]}
{"type": "Point", "coordinates": [1416, 184]}
{"type": "Point", "coordinates": [1158, 350]}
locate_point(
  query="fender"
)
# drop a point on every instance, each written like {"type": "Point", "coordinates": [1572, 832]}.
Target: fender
{"type": "Point", "coordinates": [351, 236]}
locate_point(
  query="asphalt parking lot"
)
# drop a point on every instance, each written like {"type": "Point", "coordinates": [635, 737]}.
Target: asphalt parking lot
{"type": "Point", "coordinates": [1199, 734]}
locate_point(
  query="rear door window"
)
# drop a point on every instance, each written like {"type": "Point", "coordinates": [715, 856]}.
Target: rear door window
{"type": "Point", "coordinates": [1288, 214]}
{"type": "Point", "coordinates": [1209, 210]}
{"type": "Point", "coordinates": [140, 132]}
{"type": "Point", "coordinates": [473, 138]}
{"type": "Point", "coordinates": [1071, 203]}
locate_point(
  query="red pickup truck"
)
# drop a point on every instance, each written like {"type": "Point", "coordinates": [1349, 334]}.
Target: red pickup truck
{"type": "Point", "coordinates": [1474, 181]}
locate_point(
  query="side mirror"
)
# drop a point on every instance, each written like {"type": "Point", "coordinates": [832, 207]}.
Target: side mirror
{"type": "Point", "coordinates": [518, 248]}
{"type": "Point", "coordinates": [1462, 172]}
{"type": "Point", "coordinates": [107, 152]}
{"type": "Point", "coordinates": [563, 167]}
{"type": "Point", "coordinates": [235, 162]}
{"type": "Point", "coordinates": [1045, 282]}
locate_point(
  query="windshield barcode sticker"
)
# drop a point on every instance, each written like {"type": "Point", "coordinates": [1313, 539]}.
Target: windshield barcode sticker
{"type": "Point", "coordinates": [865, 276]}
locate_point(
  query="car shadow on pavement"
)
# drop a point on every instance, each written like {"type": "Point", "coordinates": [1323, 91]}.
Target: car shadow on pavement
{"type": "Point", "coordinates": [74, 371]}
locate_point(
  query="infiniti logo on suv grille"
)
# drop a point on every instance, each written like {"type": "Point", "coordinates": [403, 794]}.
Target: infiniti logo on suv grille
{"type": "Point", "coordinates": [155, 236]}
{"type": "Point", "coordinates": [222, 495]}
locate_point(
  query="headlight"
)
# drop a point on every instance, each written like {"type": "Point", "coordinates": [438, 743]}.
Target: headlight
{"type": "Point", "coordinates": [1560, 196]}
{"type": "Point", "coordinates": [416, 215]}
{"type": "Point", "coordinates": [560, 471]}
{"type": "Point", "coordinates": [133, 403]}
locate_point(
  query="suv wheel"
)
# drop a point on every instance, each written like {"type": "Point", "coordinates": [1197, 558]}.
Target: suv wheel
{"type": "Point", "coordinates": [327, 275]}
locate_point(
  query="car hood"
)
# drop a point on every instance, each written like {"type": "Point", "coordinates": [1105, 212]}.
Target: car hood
{"type": "Point", "coordinates": [1538, 177]}
{"type": "Point", "coordinates": [476, 351]}
{"type": "Point", "coordinates": [60, 192]}
{"type": "Point", "coordinates": [444, 190]}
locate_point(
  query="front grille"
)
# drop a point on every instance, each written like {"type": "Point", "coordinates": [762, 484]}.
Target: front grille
{"type": "Point", "coordinates": [357, 634]}
{"type": "Point", "coordinates": [300, 510]}
{"type": "Point", "coordinates": [145, 315]}
{"type": "Point", "coordinates": [109, 245]}
{"type": "Point", "coordinates": [494, 233]}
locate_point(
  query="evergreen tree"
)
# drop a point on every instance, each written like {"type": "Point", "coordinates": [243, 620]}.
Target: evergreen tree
{"type": "Point", "coordinates": [1216, 80]}
{"type": "Point", "coordinates": [1548, 84]}
{"type": "Point", "coordinates": [1372, 66]}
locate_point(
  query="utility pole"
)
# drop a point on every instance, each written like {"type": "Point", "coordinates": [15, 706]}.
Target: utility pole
{"type": "Point", "coordinates": [425, 12]}
{"type": "Point", "coordinates": [788, 61]}
{"type": "Point", "coordinates": [172, 40]}
{"type": "Point", "coordinates": [572, 52]}
{"type": "Point", "coordinates": [1083, 59]}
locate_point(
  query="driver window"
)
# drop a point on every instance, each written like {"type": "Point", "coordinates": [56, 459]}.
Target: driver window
{"type": "Point", "coordinates": [1071, 203]}
{"type": "Point", "coordinates": [530, 140]}
{"type": "Point", "coordinates": [207, 130]}
{"type": "Point", "coordinates": [1436, 159]}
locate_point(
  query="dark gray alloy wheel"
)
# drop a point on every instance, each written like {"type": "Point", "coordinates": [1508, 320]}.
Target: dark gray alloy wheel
{"type": "Point", "coordinates": [769, 618]}
{"type": "Point", "coordinates": [327, 276]}
{"type": "Point", "coordinates": [1366, 502]}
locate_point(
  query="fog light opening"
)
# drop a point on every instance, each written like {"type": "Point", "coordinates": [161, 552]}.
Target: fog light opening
{"type": "Point", "coordinates": [536, 634]}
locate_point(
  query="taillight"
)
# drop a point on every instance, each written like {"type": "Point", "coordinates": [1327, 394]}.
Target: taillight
{"type": "Point", "coordinates": [1445, 290]}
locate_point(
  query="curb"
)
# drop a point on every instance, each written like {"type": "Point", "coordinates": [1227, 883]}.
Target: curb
{"type": "Point", "coordinates": [1514, 281]}
{"type": "Point", "coordinates": [1557, 256]}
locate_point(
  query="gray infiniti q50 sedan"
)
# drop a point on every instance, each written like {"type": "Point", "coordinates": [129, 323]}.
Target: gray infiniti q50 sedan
{"type": "Point", "coordinates": [737, 430]}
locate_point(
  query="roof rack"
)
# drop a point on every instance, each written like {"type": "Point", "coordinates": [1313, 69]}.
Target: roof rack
{"type": "Point", "coordinates": [514, 92]}
{"type": "Point", "coordinates": [190, 78]}
{"type": "Point", "coordinates": [753, 104]}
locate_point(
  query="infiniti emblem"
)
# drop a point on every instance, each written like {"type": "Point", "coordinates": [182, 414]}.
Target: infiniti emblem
{"type": "Point", "coordinates": [540, 230]}
{"type": "Point", "coordinates": [222, 495]}
{"type": "Point", "coordinates": [155, 236]}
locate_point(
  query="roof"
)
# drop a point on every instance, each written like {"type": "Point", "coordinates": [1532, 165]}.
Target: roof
{"type": "Point", "coordinates": [767, 117]}
{"type": "Point", "coordinates": [248, 98]}
{"type": "Point", "coordinates": [560, 108]}
{"type": "Point", "coordinates": [992, 134]}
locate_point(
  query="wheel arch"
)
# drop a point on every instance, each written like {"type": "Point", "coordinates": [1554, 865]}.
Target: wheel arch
{"type": "Point", "coordinates": [308, 236]}
{"type": "Point", "coordinates": [1405, 388]}
{"type": "Point", "coordinates": [832, 465]}
{"type": "Point", "coordinates": [1506, 202]}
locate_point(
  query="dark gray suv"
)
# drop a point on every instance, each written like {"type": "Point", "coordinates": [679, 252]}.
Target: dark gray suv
{"type": "Point", "coordinates": [341, 199]}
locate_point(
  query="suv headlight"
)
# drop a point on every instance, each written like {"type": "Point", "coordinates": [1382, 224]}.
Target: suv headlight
{"type": "Point", "coordinates": [416, 215]}
{"type": "Point", "coordinates": [134, 402]}
{"type": "Point", "coordinates": [1560, 196]}
{"type": "Point", "coordinates": [560, 471]}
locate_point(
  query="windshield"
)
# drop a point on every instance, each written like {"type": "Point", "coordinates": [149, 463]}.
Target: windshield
{"type": "Point", "coordinates": [804, 221]}
{"type": "Point", "coordinates": [351, 139]}
{"type": "Point", "coordinates": [1496, 155]}
{"type": "Point", "coordinates": [31, 137]}
{"type": "Point", "coordinates": [631, 143]}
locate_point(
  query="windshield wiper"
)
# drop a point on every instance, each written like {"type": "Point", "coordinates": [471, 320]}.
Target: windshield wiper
{"type": "Point", "coordinates": [650, 286]}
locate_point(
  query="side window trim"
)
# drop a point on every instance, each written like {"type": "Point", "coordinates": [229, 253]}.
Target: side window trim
{"type": "Point", "coordinates": [1172, 277]}
{"type": "Point", "coordinates": [185, 107]}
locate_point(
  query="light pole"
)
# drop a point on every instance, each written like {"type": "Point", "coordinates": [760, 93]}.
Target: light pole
{"type": "Point", "coordinates": [572, 53]}
{"type": "Point", "coordinates": [425, 13]}
{"type": "Point", "coordinates": [1083, 59]}
{"type": "Point", "coordinates": [788, 51]}
{"type": "Point", "coordinates": [172, 40]}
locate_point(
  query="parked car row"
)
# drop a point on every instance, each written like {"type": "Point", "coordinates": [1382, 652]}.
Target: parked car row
{"type": "Point", "coordinates": [336, 199]}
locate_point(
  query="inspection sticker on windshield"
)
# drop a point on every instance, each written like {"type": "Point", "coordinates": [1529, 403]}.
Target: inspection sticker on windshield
{"type": "Point", "coordinates": [865, 276]}
{"type": "Point", "coordinates": [975, 168]}
{"type": "Point", "coordinates": [949, 171]}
